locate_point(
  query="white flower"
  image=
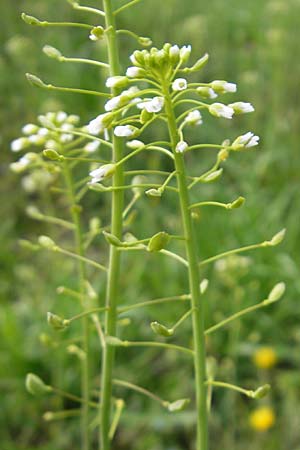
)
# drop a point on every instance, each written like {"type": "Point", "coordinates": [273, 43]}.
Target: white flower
{"type": "Point", "coordinates": [181, 147]}
{"type": "Point", "coordinates": [221, 86]}
{"type": "Point", "coordinates": [51, 143]}
{"type": "Point", "coordinates": [135, 144]}
{"type": "Point", "coordinates": [43, 131]}
{"type": "Point", "coordinates": [67, 127]}
{"type": "Point", "coordinates": [174, 51]}
{"type": "Point", "coordinates": [36, 139]}
{"type": "Point", "coordinates": [207, 92]}
{"type": "Point", "coordinates": [194, 118]}
{"type": "Point", "coordinates": [246, 140]}
{"type": "Point", "coordinates": [242, 107]}
{"type": "Point", "coordinates": [20, 165]}
{"type": "Point", "coordinates": [19, 144]}
{"type": "Point", "coordinates": [121, 100]}
{"type": "Point", "coordinates": [134, 72]}
{"type": "Point", "coordinates": [61, 116]}
{"type": "Point", "coordinates": [92, 146]}
{"type": "Point", "coordinates": [113, 103]}
{"type": "Point", "coordinates": [153, 105]}
{"type": "Point", "coordinates": [185, 52]}
{"type": "Point", "coordinates": [117, 81]}
{"type": "Point", "coordinates": [102, 172]}
{"type": "Point", "coordinates": [30, 128]}
{"type": "Point", "coordinates": [65, 138]}
{"type": "Point", "coordinates": [98, 125]}
{"type": "Point", "coordinates": [125, 131]}
{"type": "Point", "coordinates": [220, 110]}
{"type": "Point", "coordinates": [180, 84]}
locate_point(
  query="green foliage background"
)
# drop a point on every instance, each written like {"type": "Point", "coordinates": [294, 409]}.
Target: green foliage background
{"type": "Point", "coordinates": [255, 44]}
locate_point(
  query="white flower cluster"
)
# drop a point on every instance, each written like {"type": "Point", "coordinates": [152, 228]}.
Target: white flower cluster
{"type": "Point", "coordinates": [42, 134]}
{"type": "Point", "coordinates": [227, 111]}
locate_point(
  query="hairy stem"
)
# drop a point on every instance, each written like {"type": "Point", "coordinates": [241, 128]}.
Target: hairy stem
{"type": "Point", "coordinates": [194, 281]}
{"type": "Point", "coordinates": [114, 258]}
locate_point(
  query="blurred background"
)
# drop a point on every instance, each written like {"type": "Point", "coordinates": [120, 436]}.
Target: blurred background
{"type": "Point", "coordinates": [256, 45]}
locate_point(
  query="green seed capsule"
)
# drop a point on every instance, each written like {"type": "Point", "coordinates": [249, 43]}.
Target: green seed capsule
{"type": "Point", "coordinates": [161, 330]}
{"type": "Point", "coordinates": [112, 240]}
{"type": "Point", "coordinates": [178, 405]}
{"type": "Point", "coordinates": [35, 385]}
{"type": "Point", "coordinates": [158, 242]}
{"type": "Point", "coordinates": [262, 391]}
{"type": "Point", "coordinates": [57, 322]}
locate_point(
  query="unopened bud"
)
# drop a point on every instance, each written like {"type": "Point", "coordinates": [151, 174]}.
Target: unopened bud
{"type": "Point", "coordinates": [153, 193]}
{"type": "Point", "coordinates": [204, 285]}
{"type": "Point", "coordinates": [198, 64]}
{"type": "Point", "coordinates": [114, 341]}
{"type": "Point", "coordinates": [35, 81]}
{"type": "Point", "coordinates": [276, 293]}
{"type": "Point", "coordinates": [52, 52]}
{"type": "Point", "coordinates": [161, 330]}
{"type": "Point", "coordinates": [158, 241]}
{"type": "Point", "coordinates": [278, 237]}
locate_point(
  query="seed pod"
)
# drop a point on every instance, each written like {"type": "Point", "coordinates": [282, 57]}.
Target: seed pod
{"type": "Point", "coordinates": [57, 322]}
{"type": "Point", "coordinates": [52, 52]}
{"type": "Point", "coordinates": [262, 391]}
{"type": "Point", "coordinates": [30, 20]}
{"type": "Point", "coordinates": [158, 241]}
{"type": "Point", "coordinates": [113, 341]}
{"type": "Point", "coordinates": [178, 405]}
{"type": "Point", "coordinates": [53, 155]}
{"type": "Point", "coordinates": [35, 385]}
{"type": "Point", "coordinates": [237, 203]}
{"type": "Point", "coordinates": [46, 242]}
{"type": "Point", "coordinates": [111, 239]}
{"type": "Point", "coordinates": [212, 176]}
{"type": "Point", "coordinates": [161, 330]}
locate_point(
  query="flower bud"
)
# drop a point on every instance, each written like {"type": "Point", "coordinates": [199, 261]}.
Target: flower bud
{"type": "Point", "coordinates": [19, 144]}
{"type": "Point", "coordinates": [161, 330]}
{"type": "Point", "coordinates": [158, 241]}
{"type": "Point", "coordinates": [57, 322]}
{"type": "Point", "coordinates": [135, 144]}
{"type": "Point", "coordinates": [204, 285]}
{"type": "Point", "coordinates": [53, 155]}
{"type": "Point", "coordinates": [103, 172]}
{"type": "Point", "coordinates": [206, 92]}
{"type": "Point", "coordinates": [178, 405]}
{"type": "Point", "coordinates": [52, 52]}
{"type": "Point", "coordinates": [30, 20]}
{"type": "Point", "coordinates": [185, 53]}
{"type": "Point", "coordinates": [35, 385]}
{"type": "Point", "coordinates": [33, 212]}
{"type": "Point", "coordinates": [278, 237]}
{"type": "Point", "coordinates": [276, 293]}
{"type": "Point", "coordinates": [35, 81]}
{"type": "Point", "coordinates": [117, 82]}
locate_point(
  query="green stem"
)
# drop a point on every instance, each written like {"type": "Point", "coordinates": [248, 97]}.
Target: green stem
{"type": "Point", "coordinates": [232, 252]}
{"type": "Point", "coordinates": [194, 281]}
{"type": "Point", "coordinates": [75, 213]}
{"type": "Point", "coordinates": [112, 291]}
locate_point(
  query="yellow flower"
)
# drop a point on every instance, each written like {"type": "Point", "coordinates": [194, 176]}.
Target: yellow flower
{"type": "Point", "coordinates": [265, 358]}
{"type": "Point", "coordinates": [263, 418]}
